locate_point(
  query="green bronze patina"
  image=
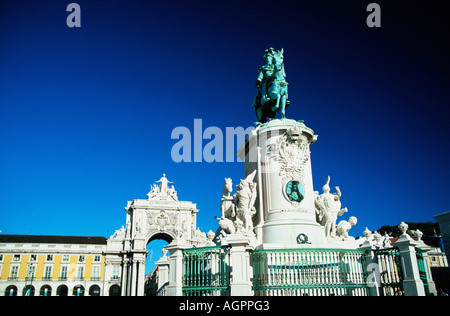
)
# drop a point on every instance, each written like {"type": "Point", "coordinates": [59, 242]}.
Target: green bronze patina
{"type": "Point", "coordinates": [294, 191]}
{"type": "Point", "coordinates": [272, 95]}
{"type": "Point", "coordinates": [302, 239]}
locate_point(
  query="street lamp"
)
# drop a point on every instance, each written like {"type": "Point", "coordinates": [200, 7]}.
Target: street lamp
{"type": "Point", "coordinates": [30, 272]}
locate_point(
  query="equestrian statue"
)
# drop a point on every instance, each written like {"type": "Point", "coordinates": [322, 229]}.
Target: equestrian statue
{"type": "Point", "coordinates": [272, 95]}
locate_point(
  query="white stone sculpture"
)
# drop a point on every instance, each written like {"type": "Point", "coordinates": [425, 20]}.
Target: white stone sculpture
{"type": "Point", "coordinates": [418, 234]}
{"type": "Point", "coordinates": [291, 153]}
{"type": "Point", "coordinates": [164, 184]}
{"type": "Point", "coordinates": [226, 227]}
{"type": "Point", "coordinates": [367, 234]}
{"type": "Point", "coordinates": [162, 191]}
{"type": "Point", "coordinates": [172, 192]}
{"type": "Point", "coordinates": [237, 210]}
{"type": "Point", "coordinates": [403, 227]}
{"type": "Point", "coordinates": [245, 198]}
{"type": "Point", "coordinates": [227, 205]}
{"type": "Point", "coordinates": [178, 232]}
{"type": "Point", "coordinates": [119, 234]}
{"type": "Point", "coordinates": [344, 226]}
{"type": "Point", "coordinates": [328, 208]}
{"type": "Point", "coordinates": [199, 237]}
{"type": "Point", "coordinates": [210, 237]}
{"type": "Point", "coordinates": [387, 240]}
{"type": "Point", "coordinates": [378, 240]}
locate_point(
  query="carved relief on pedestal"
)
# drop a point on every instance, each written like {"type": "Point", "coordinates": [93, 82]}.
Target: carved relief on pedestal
{"type": "Point", "coordinates": [291, 153]}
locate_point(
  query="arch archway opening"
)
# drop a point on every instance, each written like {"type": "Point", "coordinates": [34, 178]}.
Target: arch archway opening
{"type": "Point", "coordinates": [154, 248]}
{"type": "Point", "coordinates": [11, 290]}
{"type": "Point", "coordinates": [114, 290]}
{"type": "Point", "coordinates": [46, 290]}
{"type": "Point", "coordinates": [160, 236]}
{"type": "Point", "coordinates": [62, 290]}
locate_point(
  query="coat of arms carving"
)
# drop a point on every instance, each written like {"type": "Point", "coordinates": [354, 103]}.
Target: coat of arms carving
{"type": "Point", "coordinates": [162, 221]}
{"type": "Point", "coordinates": [292, 154]}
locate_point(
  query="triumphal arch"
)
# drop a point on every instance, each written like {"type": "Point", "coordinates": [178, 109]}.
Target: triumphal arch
{"type": "Point", "coordinates": [160, 216]}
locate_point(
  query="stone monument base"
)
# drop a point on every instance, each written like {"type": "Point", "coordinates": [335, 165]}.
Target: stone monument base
{"type": "Point", "coordinates": [292, 231]}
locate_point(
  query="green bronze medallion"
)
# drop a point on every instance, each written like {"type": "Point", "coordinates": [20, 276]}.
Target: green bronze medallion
{"type": "Point", "coordinates": [295, 191]}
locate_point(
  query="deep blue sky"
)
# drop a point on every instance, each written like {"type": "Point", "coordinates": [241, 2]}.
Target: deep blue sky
{"type": "Point", "coordinates": [86, 113]}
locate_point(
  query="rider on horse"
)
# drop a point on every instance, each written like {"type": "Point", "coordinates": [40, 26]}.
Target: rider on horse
{"type": "Point", "coordinates": [272, 87]}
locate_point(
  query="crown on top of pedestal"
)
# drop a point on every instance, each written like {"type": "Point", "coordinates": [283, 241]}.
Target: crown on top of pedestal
{"type": "Point", "coordinates": [294, 131]}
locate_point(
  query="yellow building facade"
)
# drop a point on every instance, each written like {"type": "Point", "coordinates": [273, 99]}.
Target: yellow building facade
{"type": "Point", "coordinates": [32, 265]}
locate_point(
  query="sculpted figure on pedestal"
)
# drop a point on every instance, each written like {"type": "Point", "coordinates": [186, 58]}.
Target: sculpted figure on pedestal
{"type": "Point", "coordinates": [227, 205]}
{"type": "Point", "coordinates": [164, 184]}
{"type": "Point", "coordinates": [245, 197]}
{"type": "Point", "coordinates": [328, 208]}
{"type": "Point", "coordinates": [119, 234]}
{"type": "Point", "coordinates": [237, 210]}
{"type": "Point", "coordinates": [344, 226]}
{"type": "Point", "coordinates": [162, 191]}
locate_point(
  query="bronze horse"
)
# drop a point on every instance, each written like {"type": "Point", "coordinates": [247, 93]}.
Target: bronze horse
{"type": "Point", "coordinates": [272, 96]}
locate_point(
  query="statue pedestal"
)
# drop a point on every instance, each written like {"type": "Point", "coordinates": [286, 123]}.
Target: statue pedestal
{"type": "Point", "coordinates": [279, 152]}
{"type": "Point", "coordinates": [241, 284]}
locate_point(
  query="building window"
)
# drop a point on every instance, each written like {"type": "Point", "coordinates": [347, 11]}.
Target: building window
{"type": "Point", "coordinates": [66, 258]}
{"type": "Point", "coordinates": [81, 258]}
{"type": "Point", "coordinates": [16, 258]}
{"type": "Point", "coordinates": [14, 272]}
{"type": "Point", "coordinates": [116, 273]}
{"type": "Point", "coordinates": [97, 258]}
{"type": "Point", "coordinates": [48, 273]}
{"type": "Point", "coordinates": [49, 257]}
{"type": "Point", "coordinates": [33, 257]}
{"type": "Point", "coordinates": [96, 273]}
{"type": "Point", "coordinates": [31, 272]}
{"type": "Point", "coordinates": [1, 257]}
{"type": "Point", "coordinates": [64, 270]}
{"type": "Point", "coordinates": [80, 273]}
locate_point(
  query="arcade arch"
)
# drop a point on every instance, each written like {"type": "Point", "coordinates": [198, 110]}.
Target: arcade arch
{"type": "Point", "coordinates": [154, 248]}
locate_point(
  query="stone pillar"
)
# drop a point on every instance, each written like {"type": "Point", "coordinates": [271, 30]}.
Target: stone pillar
{"type": "Point", "coordinates": [124, 280]}
{"type": "Point", "coordinates": [163, 271]}
{"type": "Point", "coordinates": [133, 277]}
{"type": "Point", "coordinates": [141, 277]}
{"type": "Point", "coordinates": [426, 261]}
{"type": "Point", "coordinates": [241, 270]}
{"type": "Point", "coordinates": [175, 287]}
{"type": "Point", "coordinates": [372, 269]}
{"type": "Point", "coordinates": [260, 215]}
{"type": "Point", "coordinates": [412, 284]}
